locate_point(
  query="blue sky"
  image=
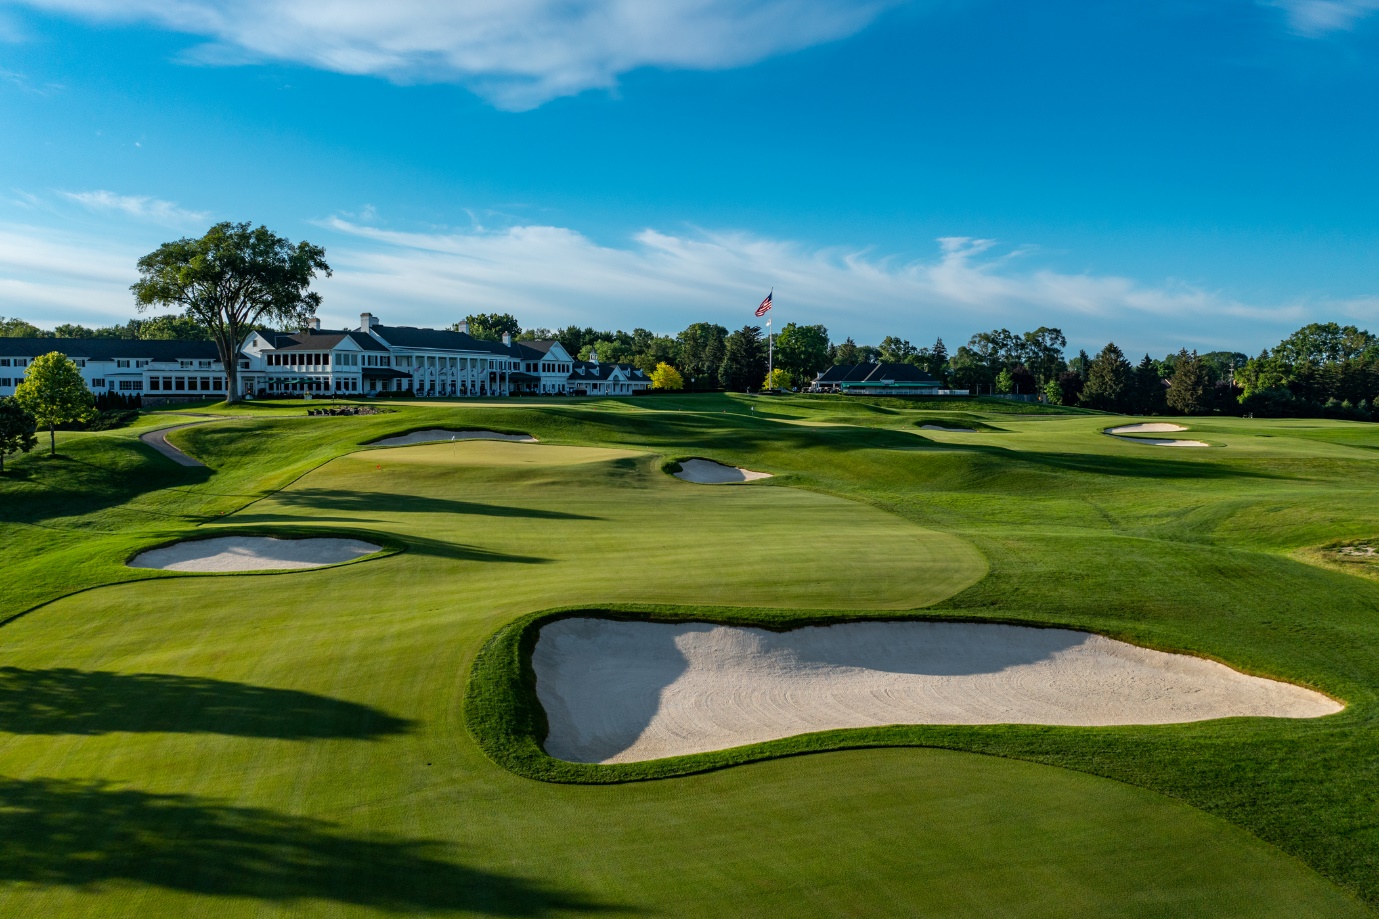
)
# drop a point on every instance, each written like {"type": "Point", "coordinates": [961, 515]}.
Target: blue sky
{"type": "Point", "coordinates": [1196, 173]}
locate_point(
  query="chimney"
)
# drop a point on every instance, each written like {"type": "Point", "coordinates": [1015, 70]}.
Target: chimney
{"type": "Point", "coordinates": [507, 338]}
{"type": "Point", "coordinates": [314, 324]}
{"type": "Point", "coordinates": [365, 321]}
{"type": "Point", "coordinates": [462, 326]}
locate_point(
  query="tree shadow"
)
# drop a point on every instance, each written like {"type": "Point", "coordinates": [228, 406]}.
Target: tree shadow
{"type": "Point", "coordinates": [439, 548]}
{"type": "Point", "coordinates": [68, 701]}
{"type": "Point", "coordinates": [392, 502]}
{"type": "Point", "coordinates": [84, 833]}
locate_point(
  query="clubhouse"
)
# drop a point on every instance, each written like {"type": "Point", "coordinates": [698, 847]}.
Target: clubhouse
{"type": "Point", "coordinates": [880, 380]}
{"type": "Point", "coordinates": [371, 359]}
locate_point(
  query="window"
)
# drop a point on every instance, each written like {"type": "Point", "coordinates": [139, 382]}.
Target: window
{"type": "Point", "coordinates": [6, 381]}
{"type": "Point", "coordinates": [140, 364]}
{"type": "Point", "coordinates": [80, 362]}
{"type": "Point", "coordinates": [385, 361]}
{"type": "Point", "coordinates": [243, 365]}
{"type": "Point", "coordinates": [21, 362]}
{"type": "Point", "coordinates": [123, 365]}
{"type": "Point", "coordinates": [219, 384]}
{"type": "Point", "coordinates": [152, 383]}
{"type": "Point", "coordinates": [185, 365]}
{"type": "Point", "coordinates": [132, 385]}
{"type": "Point", "coordinates": [203, 365]}
{"type": "Point", "coordinates": [4, 362]}
{"type": "Point", "coordinates": [98, 383]}
{"type": "Point", "coordinates": [167, 382]}
{"type": "Point", "coordinates": [181, 384]}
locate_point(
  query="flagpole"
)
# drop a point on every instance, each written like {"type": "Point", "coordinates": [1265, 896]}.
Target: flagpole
{"type": "Point", "coordinates": [770, 357]}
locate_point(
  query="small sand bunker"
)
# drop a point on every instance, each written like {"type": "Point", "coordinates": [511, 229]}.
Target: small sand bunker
{"type": "Point", "coordinates": [252, 553]}
{"type": "Point", "coordinates": [618, 692]}
{"type": "Point", "coordinates": [939, 427]}
{"type": "Point", "coordinates": [435, 434]}
{"type": "Point", "coordinates": [1156, 442]}
{"type": "Point", "coordinates": [1152, 427]}
{"type": "Point", "coordinates": [707, 472]}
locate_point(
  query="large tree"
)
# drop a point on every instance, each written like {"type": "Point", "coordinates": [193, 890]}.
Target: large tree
{"type": "Point", "coordinates": [491, 326]}
{"type": "Point", "coordinates": [17, 428]}
{"type": "Point", "coordinates": [229, 280]}
{"type": "Point", "coordinates": [702, 348]}
{"type": "Point", "coordinates": [54, 393]}
{"type": "Point", "coordinates": [744, 361]}
{"type": "Point", "coordinates": [802, 350]}
{"type": "Point", "coordinates": [1187, 391]}
{"type": "Point", "coordinates": [1108, 381]}
{"type": "Point", "coordinates": [18, 328]}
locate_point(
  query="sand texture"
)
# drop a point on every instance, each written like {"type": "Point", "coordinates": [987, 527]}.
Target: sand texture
{"type": "Point", "coordinates": [707, 472]}
{"type": "Point", "coordinates": [939, 427]}
{"type": "Point", "coordinates": [435, 434]}
{"type": "Point", "coordinates": [1152, 427]}
{"type": "Point", "coordinates": [619, 692]}
{"type": "Point", "coordinates": [252, 553]}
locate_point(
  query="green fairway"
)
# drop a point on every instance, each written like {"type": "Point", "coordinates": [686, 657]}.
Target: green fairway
{"type": "Point", "coordinates": [297, 743]}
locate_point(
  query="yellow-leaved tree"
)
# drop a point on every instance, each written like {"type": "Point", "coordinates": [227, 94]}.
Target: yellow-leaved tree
{"type": "Point", "coordinates": [666, 377]}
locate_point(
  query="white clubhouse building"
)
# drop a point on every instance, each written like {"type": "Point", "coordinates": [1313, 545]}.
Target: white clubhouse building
{"type": "Point", "coordinates": [372, 359]}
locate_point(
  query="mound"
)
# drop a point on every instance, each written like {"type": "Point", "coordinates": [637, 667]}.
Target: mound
{"type": "Point", "coordinates": [252, 553]}
{"type": "Point", "coordinates": [938, 427]}
{"type": "Point", "coordinates": [707, 472]}
{"type": "Point", "coordinates": [1152, 427]}
{"type": "Point", "coordinates": [435, 434]}
{"type": "Point", "coordinates": [630, 691]}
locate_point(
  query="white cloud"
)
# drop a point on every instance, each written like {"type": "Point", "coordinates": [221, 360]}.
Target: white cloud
{"type": "Point", "coordinates": [516, 53]}
{"type": "Point", "coordinates": [1318, 17]}
{"type": "Point", "coordinates": [140, 207]}
{"type": "Point", "coordinates": [554, 276]}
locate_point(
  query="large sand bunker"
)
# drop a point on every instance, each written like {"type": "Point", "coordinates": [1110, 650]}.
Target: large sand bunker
{"type": "Point", "coordinates": [617, 692]}
{"type": "Point", "coordinates": [1149, 427]}
{"type": "Point", "coordinates": [437, 434]}
{"type": "Point", "coordinates": [252, 553]}
{"type": "Point", "coordinates": [1154, 427]}
{"type": "Point", "coordinates": [707, 472]}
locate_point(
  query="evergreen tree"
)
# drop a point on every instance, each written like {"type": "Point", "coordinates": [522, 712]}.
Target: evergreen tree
{"type": "Point", "coordinates": [847, 354]}
{"type": "Point", "coordinates": [1108, 381]}
{"type": "Point", "coordinates": [1149, 388]}
{"type": "Point", "coordinates": [1187, 392]}
{"type": "Point", "coordinates": [744, 360]}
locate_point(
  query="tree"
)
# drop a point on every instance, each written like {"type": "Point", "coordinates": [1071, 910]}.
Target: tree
{"type": "Point", "coordinates": [172, 328]}
{"type": "Point", "coordinates": [1149, 388]}
{"type": "Point", "coordinates": [1004, 383]}
{"type": "Point", "coordinates": [1041, 351]}
{"type": "Point", "coordinates": [778, 378]}
{"type": "Point", "coordinates": [702, 349]}
{"type": "Point", "coordinates": [54, 393]}
{"type": "Point", "coordinates": [666, 377]}
{"type": "Point", "coordinates": [1187, 389]}
{"type": "Point", "coordinates": [1108, 381]}
{"type": "Point", "coordinates": [847, 354]}
{"type": "Point", "coordinates": [491, 326]}
{"type": "Point", "coordinates": [18, 328]}
{"type": "Point", "coordinates": [802, 350]}
{"type": "Point", "coordinates": [896, 350]}
{"type": "Point", "coordinates": [17, 429]}
{"type": "Point", "coordinates": [744, 359]}
{"type": "Point", "coordinates": [228, 280]}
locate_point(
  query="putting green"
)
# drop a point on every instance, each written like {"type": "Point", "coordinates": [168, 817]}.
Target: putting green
{"type": "Point", "coordinates": [294, 744]}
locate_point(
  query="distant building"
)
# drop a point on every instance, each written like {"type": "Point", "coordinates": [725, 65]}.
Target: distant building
{"type": "Point", "coordinates": [880, 380]}
{"type": "Point", "coordinates": [156, 370]}
{"type": "Point", "coordinates": [371, 359]}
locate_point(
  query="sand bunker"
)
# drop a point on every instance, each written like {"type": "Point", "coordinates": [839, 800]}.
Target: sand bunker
{"type": "Point", "coordinates": [252, 553]}
{"type": "Point", "coordinates": [435, 434]}
{"type": "Point", "coordinates": [939, 427]}
{"type": "Point", "coordinates": [707, 472]}
{"type": "Point", "coordinates": [1153, 427]}
{"type": "Point", "coordinates": [617, 692]}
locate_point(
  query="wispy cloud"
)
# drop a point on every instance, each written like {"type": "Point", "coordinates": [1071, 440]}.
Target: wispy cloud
{"type": "Point", "coordinates": [140, 207]}
{"type": "Point", "coordinates": [516, 53]}
{"type": "Point", "coordinates": [1315, 18]}
{"type": "Point", "coordinates": [554, 276]}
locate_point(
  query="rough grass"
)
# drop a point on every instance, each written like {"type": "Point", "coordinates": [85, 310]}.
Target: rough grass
{"type": "Point", "coordinates": [297, 744]}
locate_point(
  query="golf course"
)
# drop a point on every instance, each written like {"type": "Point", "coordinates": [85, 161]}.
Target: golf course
{"type": "Point", "coordinates": [340, 704]}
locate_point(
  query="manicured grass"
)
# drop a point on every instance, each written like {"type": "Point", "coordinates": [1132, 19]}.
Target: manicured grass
{"type": "Point", "coordinates": [297, 743]}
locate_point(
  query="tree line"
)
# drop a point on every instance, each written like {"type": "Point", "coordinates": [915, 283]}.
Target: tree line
{"type": "Point", "coordinates": [1321, 370]}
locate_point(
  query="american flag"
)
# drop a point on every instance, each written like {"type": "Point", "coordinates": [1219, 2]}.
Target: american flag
{"type": "Point", "coordinates": [765, 304]}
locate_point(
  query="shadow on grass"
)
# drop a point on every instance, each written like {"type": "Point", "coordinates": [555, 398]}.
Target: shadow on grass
{"type": "Point", "coordinates": [390, 502]}
{"type": "Point", "coordinates": [67, 701]}
{"type": "Point", "coordinates": [82, 834]}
